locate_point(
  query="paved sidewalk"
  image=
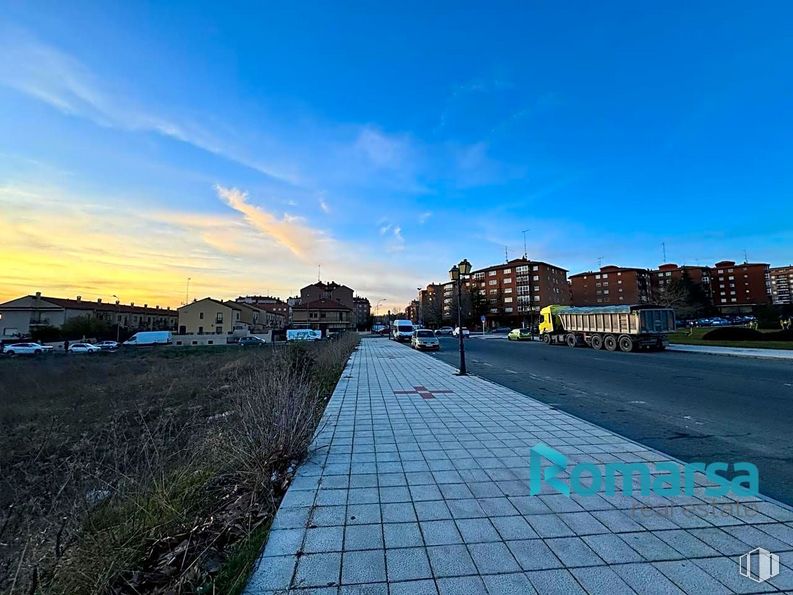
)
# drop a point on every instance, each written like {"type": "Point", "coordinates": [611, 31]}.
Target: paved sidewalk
{"type": "Point", "coordinates": [418, 483]}
{"type": "Point", "coordinates": [734, 351]}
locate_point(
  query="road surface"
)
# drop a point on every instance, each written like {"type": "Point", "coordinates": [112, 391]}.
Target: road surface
{"type": "Point", "coordinates": [695, 407]}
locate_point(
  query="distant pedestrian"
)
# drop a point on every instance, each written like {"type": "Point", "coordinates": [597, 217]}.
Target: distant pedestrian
{"type": "Point", "coordinates": [66, 346]}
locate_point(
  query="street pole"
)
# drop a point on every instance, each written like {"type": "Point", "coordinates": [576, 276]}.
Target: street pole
{"type": "Point", "coordinates": [118, 319]}
{"type": "Point", "coordinates": [463, 371]}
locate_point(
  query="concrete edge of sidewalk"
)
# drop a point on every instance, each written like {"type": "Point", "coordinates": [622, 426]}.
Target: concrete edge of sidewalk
{"type": "Point", "coordinates": [631, 440]}
{"type": "Point", "coordinates": [751, 352]}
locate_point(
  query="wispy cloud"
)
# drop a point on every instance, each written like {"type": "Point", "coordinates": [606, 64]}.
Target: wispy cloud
{"type": "Point", "coordinates": [287, 231]}
{"type": "Point", "coordinates": [424, 217]}
{"type": "Point", "coordinates": [50, 75]}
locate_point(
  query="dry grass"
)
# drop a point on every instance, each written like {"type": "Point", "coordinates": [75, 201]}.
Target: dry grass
{"type": "Point", "coordinates": [155, 472]}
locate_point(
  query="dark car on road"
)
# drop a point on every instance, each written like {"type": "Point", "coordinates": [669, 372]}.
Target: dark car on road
{"type": "Point", "coordinates": [252, 342]}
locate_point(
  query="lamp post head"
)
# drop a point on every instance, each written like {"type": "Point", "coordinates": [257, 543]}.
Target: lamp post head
{"type": "Point", "coordinates": [454, 273]}
{"type": "Point", "coordinates": [465, 267]}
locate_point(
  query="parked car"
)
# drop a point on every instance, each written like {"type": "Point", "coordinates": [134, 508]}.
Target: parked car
{"type": "Point", "coordinates": [27, 349]}
{"type": "Point", "coordinates": [444, 330]}
{"type": "Point", "coordinates": [107, 345]}
{"type": "Point", "coordinates": [456, 332]}
{"type": "Point", "coordinates": [519, 334]}
{"type": "Point", "coordinates": [502, 330]}
{"type": "Point", "coordinates": [84, 348]}
{"type": "Point", "coordinates": [252, 342]}
{"type": "Point", "coordinates": [424, 339]}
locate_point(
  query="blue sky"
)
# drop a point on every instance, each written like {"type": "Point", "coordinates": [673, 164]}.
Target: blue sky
{"type": "Point", "coordinates": [242, 145]}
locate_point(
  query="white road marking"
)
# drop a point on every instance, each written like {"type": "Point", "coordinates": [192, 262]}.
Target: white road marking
{"type": "Point", "coordinates": [510, 371]}
{"type": "Point", "coordinates": [487, 364]}
{"type": "Point", "coordinates": [638, 402]}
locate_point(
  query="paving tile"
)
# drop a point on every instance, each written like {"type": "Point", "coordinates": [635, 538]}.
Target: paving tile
{"type": "Point", "coordinates": [533, 554]}
{"type": "Point", "coordinates": [600, 580]}
{"type": "Point", "coordinates": [549, 525]}
{"type": "Point", "coordinates": [690, 578]}
{"type": "Point", "coordinates": [292, 518]}
{"type": "Point", "coordinates": [318, 570]}
{"type": "Point", "coordinates": [395, 494]}
{"type": "Point", "coordinates": [440, 532]}
{"type": "Point", "coordinates": [422, 493]}
{"type": "Point", "coordinates": [398, 512]}
{"type": "Point", "coordinates": [363, 567]}
{"type": "Point", "coordinates": [612, 549]}
{"type": "Point", "coordinates": [433, 510]}
{"type": "Point", "coordinates": [466, 509]}
{"type": "Point", "coordinates": [451, 560]}
{"type": "Point", "coordinates": [555, 581]}
{"type": "Point", "coordinates": [508, 584]}
{"type": "Point", "coordinates": [407, 564]}
{"type": "Point", "coordinates": [646, 579]}
{"type": "Point", "coordinates": [326, 516]}
{"type": "Point", "coordinates": [363, 496]}
{"type": "Point", "coordinates": [477, 530]}
{"type": "Point", "coordinates": [284, 542]}
{"type": "Point", "coordinates": [423, 587]}
{"type": "Point", "coordinates": [573, 551]}
{"type": "Point", "coordinates": [363, 514]}
{"type": "Point", "coordinates": [271, 574]}
{"type": "Point", "coordinates": [650, 547]}
{"type": "Point", "coordinates": [725, 570]}
{"type": "Point", "coordinates": [470, 585]}
{"type": "Point", "coordinates": [323, 539]}
{"type": "Point", "coordinates": [513, 528]}
{"type": "Point", "coordinates": [402, 535]}
{"type": "Point", "coordinates": [363, 537]}
{"type": "Point", "coordinates": [492, 558]}
{"type": "Point", "coordinates": [365, 589]}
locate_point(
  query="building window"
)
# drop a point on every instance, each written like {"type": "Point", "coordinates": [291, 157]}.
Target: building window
{"type": "Point", "coordinates": [508, 280]}
{"type": "Point", "coordinates": [219, 318]}
{"type": "Point", "coordinates": [201, 316]}
{"type": "Point", "coordinates": [492, 282]}
{"type": "Point", "coordinates": [507, 290]}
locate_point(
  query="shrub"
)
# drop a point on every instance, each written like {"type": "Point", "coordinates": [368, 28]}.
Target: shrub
{"type": "Point", "coordinates": [733, 333]}
{"type": "Point", "coordinates": [782, 335]}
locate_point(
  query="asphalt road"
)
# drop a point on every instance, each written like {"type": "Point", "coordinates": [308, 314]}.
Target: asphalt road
{"type": "Point", "coordinates": [695, 407]}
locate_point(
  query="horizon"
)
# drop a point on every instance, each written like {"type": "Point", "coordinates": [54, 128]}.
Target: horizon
{"type": "Point", "coordinates": [245, 147]}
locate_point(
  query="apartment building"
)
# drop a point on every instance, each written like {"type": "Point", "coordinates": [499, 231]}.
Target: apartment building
{"type": "Point", "coordinates": [208, 316]}
{"type": "Point", "coordinates": [363, 310]}
{"type": "Point", "coordinates": [331, 291]}
{"type": "Point", "coordinates": [328, 316]}
{"type": "Point", "coordinates": [513, 290]}
{"type": "Point", "coordinates": [267, 303]}
{"type": "Point", "coordinates": [256, 319]}
{"type": "Point", "coordinates": [612, 285]}
{"type": "Point", "coordinates": [431, 305]}
{"type": "Point", "coordinates": [737, 287]}
{"type": "Point", "coordinates": [666, 273]}
{"type": "Point", "coordinates": [20, 316]}
{"type": "Point", "coordinates": [781, 282]}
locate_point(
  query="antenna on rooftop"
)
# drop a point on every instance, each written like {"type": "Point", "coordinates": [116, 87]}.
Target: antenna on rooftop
{"type": "Point", "coordinates": [506, 254]}
{"type": "Point", "coordinates": [600, 261]}
{"type": "Point", "coordinates": [319, 272]}
{"type": "Point", "coordinates": [745, 256]}
{"type": "Point", "coordinates": [663, 247]}
{"type": "Point", "coordinates": [525, 252]}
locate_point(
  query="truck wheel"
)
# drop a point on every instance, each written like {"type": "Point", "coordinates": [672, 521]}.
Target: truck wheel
{"type": "Point", "coordinates": [597, 342]}
{"type": "Point", "coordinates": [626, 343]}
{"type": "Point", "coordinates": [610, 343]}
{"type": "Point", "coordinates": [571, 340]}
{"type": "Point", "coordinates": [546, 338]}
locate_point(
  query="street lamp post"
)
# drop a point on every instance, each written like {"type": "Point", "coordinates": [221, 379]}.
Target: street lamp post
{"type": "Point", "coordinates": [457, 273]}
{"type": "Point", "coordinates": [118, 319]}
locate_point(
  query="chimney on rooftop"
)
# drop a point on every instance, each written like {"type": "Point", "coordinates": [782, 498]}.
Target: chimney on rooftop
{"type": "Point", "coordinates": [98, 300]}
{"type": "Point", "coordinates": [79, 298]}
{"type": "Point", "coordinates": [145, 305]}
{"type": "Point", "coordinates": [38, 294]}
{"type": "Point", "coordinates": [132, 303]}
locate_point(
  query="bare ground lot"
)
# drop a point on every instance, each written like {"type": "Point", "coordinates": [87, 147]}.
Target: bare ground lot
{"type": "Point", "coordinates": [151, 471]}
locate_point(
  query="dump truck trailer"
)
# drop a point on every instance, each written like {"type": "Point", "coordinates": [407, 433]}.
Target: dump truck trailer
{"type": "Point", "coordinates": [627, 328]}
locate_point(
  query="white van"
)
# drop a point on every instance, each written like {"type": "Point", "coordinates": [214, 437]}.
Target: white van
{"type": "Point", "coordinates": [401, 330]}
{"type": "Point", "coordinates": [149, 338]}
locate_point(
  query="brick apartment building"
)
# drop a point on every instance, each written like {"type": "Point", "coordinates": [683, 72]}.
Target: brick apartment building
{"type": "Point", "coordinates": [666, 273]}
{"type": "Point", "coordinates": [505, 293]}
{"type": "Point", "coordinates": [266, 303]}
{"type": "Point", "coordinates": [738, 287]}
{"type": "Point", "coordinates": [20, 316]}
{"type": "Point", "coordinates": [362, 310]}
{"type": "Point", "coordinates": [781, 282]}
{"type": "Point", "coordinates": [328, 307]}
{"type": "Point", "coordinates": [612, 285]}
